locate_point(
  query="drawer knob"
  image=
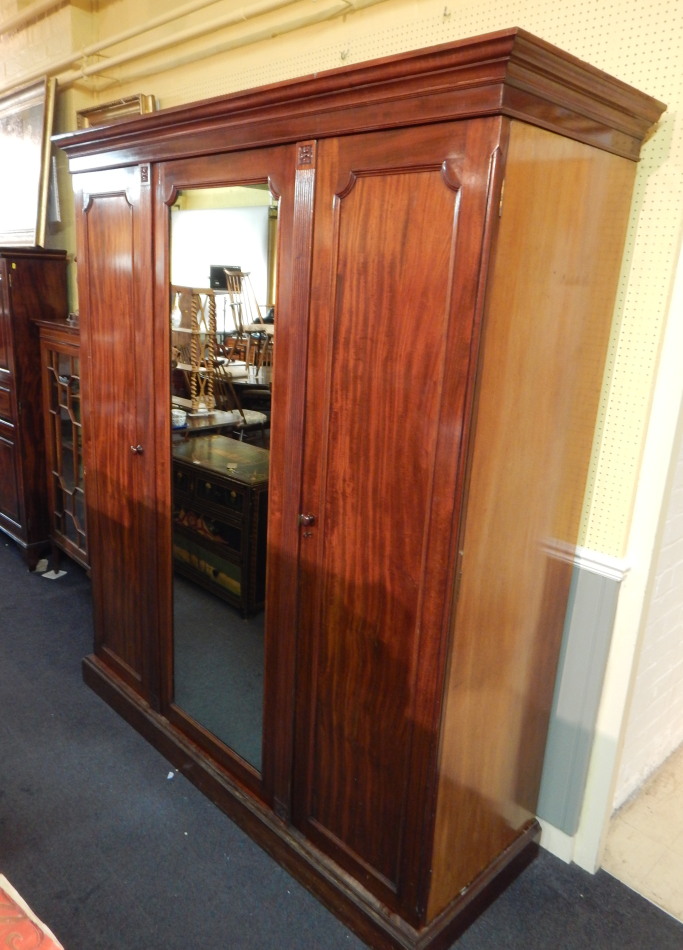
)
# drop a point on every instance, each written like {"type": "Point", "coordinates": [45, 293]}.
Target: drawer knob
{"type": "Point", "coordinates": [306, 521]}
{"type": "Point", "coordinates": [137, 449]}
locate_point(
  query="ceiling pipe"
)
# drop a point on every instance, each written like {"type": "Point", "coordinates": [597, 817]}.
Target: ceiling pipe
{"type": "Point", "coordinates": [57, 67]}
{"type": "Point", "coordinates": [176, 13]}
{"type": "Point", "coordinates": [16, 22]}
{"type": "Point", "coordinates": [324, 11]}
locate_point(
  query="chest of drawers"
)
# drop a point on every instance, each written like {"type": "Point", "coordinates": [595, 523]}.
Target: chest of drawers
{"type": "Point", "coordinates": [32, 287]}
{"type": "Point", "coordinates": [220, 506]}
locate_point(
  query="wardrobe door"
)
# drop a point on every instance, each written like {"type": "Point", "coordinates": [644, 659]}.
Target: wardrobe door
{"type": "Point", "coordinates": [244, 218]}
{"type": "Point", "coordinates": [399, 236]}
{"type": "Point", "coordinates": [115, 273]}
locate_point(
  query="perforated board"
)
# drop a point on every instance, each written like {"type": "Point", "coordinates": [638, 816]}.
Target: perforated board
{"type": "Point", "coordinates": [640, 44]}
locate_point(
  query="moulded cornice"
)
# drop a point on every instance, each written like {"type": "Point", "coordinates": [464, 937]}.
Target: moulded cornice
{"type": "Point", "coordinates": [509, 73]}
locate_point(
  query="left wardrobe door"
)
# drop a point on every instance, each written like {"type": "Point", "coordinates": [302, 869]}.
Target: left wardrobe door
{"type": "Point", "coordinates": [115, 300]}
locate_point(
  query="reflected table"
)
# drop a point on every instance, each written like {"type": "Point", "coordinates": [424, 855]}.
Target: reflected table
{"type": "Point", "coordinates": [203, 423]}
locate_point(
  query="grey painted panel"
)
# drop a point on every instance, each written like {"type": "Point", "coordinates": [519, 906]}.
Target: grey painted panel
{"type": "Point", "coordinates": [581, 672]}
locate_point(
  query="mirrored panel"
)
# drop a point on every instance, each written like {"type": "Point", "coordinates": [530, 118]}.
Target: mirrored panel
{"type": "Point", "coordinates": [222, 317]}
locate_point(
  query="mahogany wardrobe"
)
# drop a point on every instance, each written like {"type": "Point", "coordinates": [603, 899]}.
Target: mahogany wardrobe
{"type": "Point", "coordinates": [450, 225]}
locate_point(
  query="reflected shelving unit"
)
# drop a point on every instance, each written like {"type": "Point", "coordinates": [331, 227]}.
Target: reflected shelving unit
{"type": "Point", "coordinates": [193, 342]}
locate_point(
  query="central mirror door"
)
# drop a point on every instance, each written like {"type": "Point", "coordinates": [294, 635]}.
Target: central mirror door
{"type": "Point", "coordinates": [222, 339]}
{"type": "Point", "coordinates": [222, 224]}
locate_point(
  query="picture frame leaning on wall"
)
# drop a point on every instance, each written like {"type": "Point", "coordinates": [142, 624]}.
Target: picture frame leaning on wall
{"type": "Point", "coordinates": [26, 117]}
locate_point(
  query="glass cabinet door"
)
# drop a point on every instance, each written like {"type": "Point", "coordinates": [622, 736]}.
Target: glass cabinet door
{"type": "Point", "coordinates": [64, 436]}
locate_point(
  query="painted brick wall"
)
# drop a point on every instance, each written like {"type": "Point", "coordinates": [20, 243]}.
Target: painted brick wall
{"type": "Point", "coordinates": [37, 45]}
{"type": "Point", "coordinates": [655, 728]}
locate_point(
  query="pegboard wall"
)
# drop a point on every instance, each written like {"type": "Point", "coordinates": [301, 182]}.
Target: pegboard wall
{"type": "Point", "coordinates": [641, 44]}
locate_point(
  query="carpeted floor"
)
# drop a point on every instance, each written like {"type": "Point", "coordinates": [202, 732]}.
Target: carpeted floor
{"type": "Point", "coordinates": [113, 854]}
{"type": "Point", "coordinates": [218, 668]}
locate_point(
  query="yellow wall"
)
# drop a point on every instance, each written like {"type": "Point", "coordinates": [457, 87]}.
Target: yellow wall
{"type": "Point", "coordinates": [224, 47]}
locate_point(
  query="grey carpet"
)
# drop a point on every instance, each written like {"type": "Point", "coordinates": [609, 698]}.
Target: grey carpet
{"type": "Point", "coordinates": [114, 855]}
{"type": "Point", "coordinates": [218, 668]}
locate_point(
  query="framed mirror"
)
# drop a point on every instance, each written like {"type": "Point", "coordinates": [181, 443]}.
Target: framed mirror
{"type": "Point", "coordinates": [222, 292]}
{"type": "Point", "coordinates": [26, 117]}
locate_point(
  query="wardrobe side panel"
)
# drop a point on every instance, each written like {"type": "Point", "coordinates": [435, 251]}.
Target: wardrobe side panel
{"type": "Point", "coordinates": [549, 310]}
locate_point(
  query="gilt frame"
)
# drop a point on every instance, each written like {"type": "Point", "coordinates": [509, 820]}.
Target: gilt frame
{"type": "Point", "coordinates": [26, 117]}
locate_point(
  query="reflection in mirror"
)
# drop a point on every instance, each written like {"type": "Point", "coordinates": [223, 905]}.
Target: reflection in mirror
{"type": "Point", "coordinates": [222, 316]}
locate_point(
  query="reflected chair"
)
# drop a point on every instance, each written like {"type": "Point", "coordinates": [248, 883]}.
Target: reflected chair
{"type": "Point", "coordinates": [260, 339]}
{"type": "Point", "coordinates": [250, 327]}
{"type": "Point", "coordinates": [250, 420]}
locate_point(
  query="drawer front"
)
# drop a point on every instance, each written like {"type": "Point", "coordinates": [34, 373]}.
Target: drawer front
{"type": "Point", "coordinates": [6, 403]}
{"type": "Point", "coordinates": [211, 531]}
{"type": "Point", "coordinates": [10, 504]}
{"type": "Point", "coordinates": [208, 567]}
{"type": "Point", "coordinates": [220, 494]}
{"type": "Point", "coordinates": [5, 327]}
{"type": "Point", "coordinates": [183, 481]}
{"type": "Point", "coordinates": [200, 489]}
